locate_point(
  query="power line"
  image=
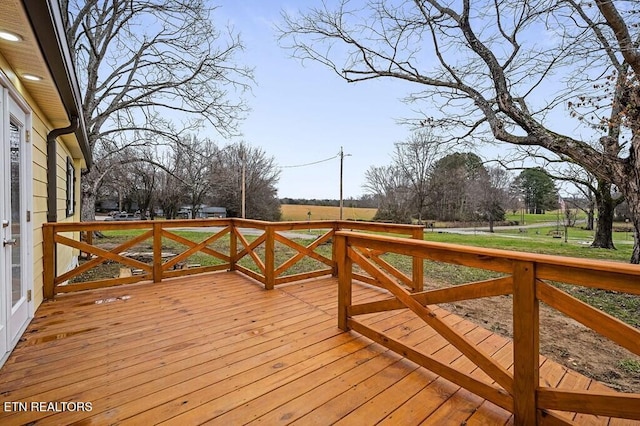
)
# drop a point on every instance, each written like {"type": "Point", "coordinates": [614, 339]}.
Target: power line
{"type": "Point", "coordinates": [311, 164]}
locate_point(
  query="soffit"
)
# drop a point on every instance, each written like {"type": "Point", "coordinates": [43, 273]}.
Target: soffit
{"type": "Point", "coordinates": [26, 57]}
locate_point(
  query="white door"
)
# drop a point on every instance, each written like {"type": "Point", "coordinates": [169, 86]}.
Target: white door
{"type": "Point", "coordinates": [13, 213]}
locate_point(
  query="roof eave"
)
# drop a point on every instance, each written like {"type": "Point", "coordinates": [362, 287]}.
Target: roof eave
{"type": "Point", "coordinates": [47, 25]}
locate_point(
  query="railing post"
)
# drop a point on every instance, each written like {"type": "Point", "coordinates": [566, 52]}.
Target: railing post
{"type": "Point", "coordinates": [269, 259]}
{"type": "Point", "coordinates": [233, 245]}
{"type": "Point", "coordinates": [526, 343]}
{"type": "Point", "coordinates": [344, 281]}
{"type": "Point", "coordinates": [49, 259]}
{"type": "Point", "coordinates": [418, 263]}
{"type": "Point", "coordinates": [89, 240]}
{"type": "Point", "coordinates": [157, 252]}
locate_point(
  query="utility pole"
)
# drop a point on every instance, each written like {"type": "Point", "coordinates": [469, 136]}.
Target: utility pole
{"type": "Point", "coordinates": [342, 155]}
{"type": "Point", "coordinates": [244, 172]}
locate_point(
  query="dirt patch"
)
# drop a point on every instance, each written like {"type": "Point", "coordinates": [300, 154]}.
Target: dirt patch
{"type": "Point", "coordinates": [106, 270]}
{"type": "Point", "coordinates": [563, 340]}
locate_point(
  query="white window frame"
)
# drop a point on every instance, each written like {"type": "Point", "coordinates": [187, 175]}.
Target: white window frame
{"type": "Point", "coordinates": [71, 187]}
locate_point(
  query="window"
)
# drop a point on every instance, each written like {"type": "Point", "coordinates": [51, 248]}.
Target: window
{"type": "Point", "coordinates": [71, 188]}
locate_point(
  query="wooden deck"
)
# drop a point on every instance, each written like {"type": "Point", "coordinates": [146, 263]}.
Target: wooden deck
{"type": "Point", "coordinates": [218, 348]}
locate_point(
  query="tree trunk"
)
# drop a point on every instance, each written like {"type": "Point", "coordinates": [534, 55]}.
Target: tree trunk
{"type": "Point", "coordinates": [590, 219]}
{"type": "Point", "coordinates": [88, 211]}
{"type": "Point", "coordinates": [632, 197]}
{"type": "Point", "coordinates": [634, 205]}
{"type": "Point", "coordinates": [88, 197]}
{"type": "Point", "coordinates": [635, 255]}
{"type": "Point", "coordinates": [603, 237]}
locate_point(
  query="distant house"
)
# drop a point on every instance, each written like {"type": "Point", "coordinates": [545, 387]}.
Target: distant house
{"type": "Point", "coordinates": [107, 205]}
{"type": "Point", "coordinates": [43, 148]}
{"type": "Point", "coordinates": [213, 212]}
{"type": "Point", "coordinates": [203, 212]}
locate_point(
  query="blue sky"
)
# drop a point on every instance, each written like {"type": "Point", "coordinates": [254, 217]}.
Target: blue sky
{"type": "Point", "coordinates": [302, 114]}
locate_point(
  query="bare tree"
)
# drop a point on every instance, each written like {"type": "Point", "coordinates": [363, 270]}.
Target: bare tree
{"type": "Point", "coordinates": [402, 188]}
{"type": "Point", "coordinates": [490, 195]}
{"type": "Point", "coordinates": [415, 158]}
{"type": "Point", "coordinates": [500, 69]}
{"type": "Point", "coordinates": [113, 186]}
{"type": "Point", "coordinates": [391, 187]}
{"type": "Point", "coordinates": [597, 193]}
{"type": "Point", "coordinates": [150, 67]}
{"type": "Point", "coordinates": [193, 163]}
{"type": "Point", "coordinates": [141, 185]}
{"type": "Point", "coordinates": [452, 186]}
{"type": "Point", "coordinates": [169, 194]}
{"type": "Point", "coordinates": [261, 175]}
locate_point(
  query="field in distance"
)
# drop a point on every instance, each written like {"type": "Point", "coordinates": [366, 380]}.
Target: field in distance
{"type": "Point", "coordinates": [301, 212]}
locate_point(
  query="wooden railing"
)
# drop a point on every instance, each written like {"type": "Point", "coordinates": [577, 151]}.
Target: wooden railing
{"type": "Point", "coordinates": [529, 278]}
{"type": "Point", "coordinates": [268, 252]}
{"type": "Point", "coordinates": [256, 248]}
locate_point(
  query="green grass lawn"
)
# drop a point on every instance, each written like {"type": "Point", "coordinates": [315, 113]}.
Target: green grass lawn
{"type": "Point", "coordinates": [577, 245]}
{"type": "Point", "coordinates": [622, 306]}
{"type": "Point", "coordinates": [537, 240]}
{"type": "Point", "coordinates": [530, 219]}
{"type": "Point", "coordinates": [283, 252]}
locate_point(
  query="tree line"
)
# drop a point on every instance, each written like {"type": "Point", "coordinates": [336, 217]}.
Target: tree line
{"type": "Point", "coordinates": [153, 72]}
{"type": "Point", "coordinates": [194, 173]}
{"type": "Point", "coordinates": [427, 182]}
{"type": "Point", "coordinates": [364, 201]}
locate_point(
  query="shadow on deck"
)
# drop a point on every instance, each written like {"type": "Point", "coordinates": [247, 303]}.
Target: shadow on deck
{"type": "Point", "coordinates": [219, 348]}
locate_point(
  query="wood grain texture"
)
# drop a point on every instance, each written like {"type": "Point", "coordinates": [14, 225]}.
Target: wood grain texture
{"type": "Point", "coordinates": [217, 348]}
{"type": "Point", "coordinates": [526, 343]}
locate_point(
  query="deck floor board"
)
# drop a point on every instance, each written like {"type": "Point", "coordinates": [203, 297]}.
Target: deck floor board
{"type": "Point", "coordinates": [219, 349]}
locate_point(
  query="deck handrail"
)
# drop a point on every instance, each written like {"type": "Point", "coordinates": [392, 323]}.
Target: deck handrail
{"type": "Point", "coordinates": [528, 279]}
{"type": "Point", "coordinates": [265, 269]}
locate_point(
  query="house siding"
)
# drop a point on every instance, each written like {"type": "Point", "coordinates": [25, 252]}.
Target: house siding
{"type": "Point", "coordinates": [66, 256]}
{"type": "Point", "coordinates": [40, 127]}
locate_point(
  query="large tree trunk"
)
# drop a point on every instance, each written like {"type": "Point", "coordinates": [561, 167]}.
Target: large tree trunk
{"type": "Point", "coordinates": [630, 185]}
{"type": "Point", "coordinates": [603, 237]}
{"type": "Point", "coordinates": [633, 200]}
{"type": "Point", "coordinates": [635, 255]}
{"type": "Point", "coordinates": [590, 219]}
{"type": "Point", "coordinates": [88, 195]}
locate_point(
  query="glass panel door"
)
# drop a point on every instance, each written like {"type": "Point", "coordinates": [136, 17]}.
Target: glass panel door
{"type": "Point", "coordinates": [15, 142]}
{"type": "Point", "coordinates": [13, 207]}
